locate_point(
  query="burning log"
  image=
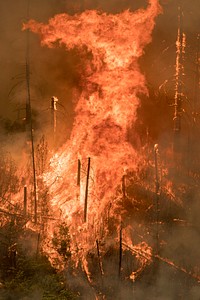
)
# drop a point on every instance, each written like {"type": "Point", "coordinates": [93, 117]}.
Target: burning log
{"type": "Point", "coordinates": [148, 257]}
{"type": "Point", "coordinates": [86, 191]}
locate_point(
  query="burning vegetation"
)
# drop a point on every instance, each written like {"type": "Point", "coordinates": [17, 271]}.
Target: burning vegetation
{"type": "Point", "coordinates": [109, 212]}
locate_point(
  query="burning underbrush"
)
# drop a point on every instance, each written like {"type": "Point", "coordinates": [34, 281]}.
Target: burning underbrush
{"type": "Point", "coordinates": [123, 244]}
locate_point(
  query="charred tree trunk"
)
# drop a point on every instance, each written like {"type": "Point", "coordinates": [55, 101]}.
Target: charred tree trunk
{"type": "Point", "coordinates": [157, 199]}
{"type": "Point", "coordinates": [79, 173]}
{"type": "Point", "coordinates": [28, 101]}
{"type": "Point", "coordinates": [99, 258]}
{"type": "Point", "coordinates": [54, 101]}
{"type": "Point", "coordinates": [120, 251]}
{"type": "Point", "coordinates": [86, 191]}
{"type": "Point", "coordinates": [124, 186]}
{"type": "Point", "coordinates": [196, 81]}
{"type": "Point", "coordinates": [25, 201]}
{"type": "Point", "coordinates": [178, 99]}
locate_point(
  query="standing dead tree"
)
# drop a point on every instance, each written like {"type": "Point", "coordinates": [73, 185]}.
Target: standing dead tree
{"type": "Point", "coordinates": [178, 99]}
{"type": "Point", "coordinates": [86, 191]}
{"type": "Point", "coordinates": [29, 121]}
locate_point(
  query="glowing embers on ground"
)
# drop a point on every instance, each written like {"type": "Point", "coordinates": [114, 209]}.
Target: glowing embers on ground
{"type": "Point", "coordinates": [105, 110]}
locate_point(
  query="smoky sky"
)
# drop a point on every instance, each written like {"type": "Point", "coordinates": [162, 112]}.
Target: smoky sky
{"type": "Point", "coordinates": [55, 72]}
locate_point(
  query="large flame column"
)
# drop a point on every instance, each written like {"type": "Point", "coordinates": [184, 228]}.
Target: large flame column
{"type": "Point", "coordinates": [108, 105]}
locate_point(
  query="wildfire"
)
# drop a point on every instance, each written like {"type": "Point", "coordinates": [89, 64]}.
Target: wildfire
{"type": "Point", "coordinates": [104, 112]}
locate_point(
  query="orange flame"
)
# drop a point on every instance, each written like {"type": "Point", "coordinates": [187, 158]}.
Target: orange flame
{"type": "Point", "coordinates": [104, 114]}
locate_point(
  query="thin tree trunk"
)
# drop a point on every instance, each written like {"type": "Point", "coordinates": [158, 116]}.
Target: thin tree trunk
{"type": "Point", "coordinates": [31, 122]}
{"type": "Point", "coordinates": [120, 251]}
{"type": "Point", "coordinates": [86, 191]}
{"type": "Point", "coordinates": [25, 200]}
